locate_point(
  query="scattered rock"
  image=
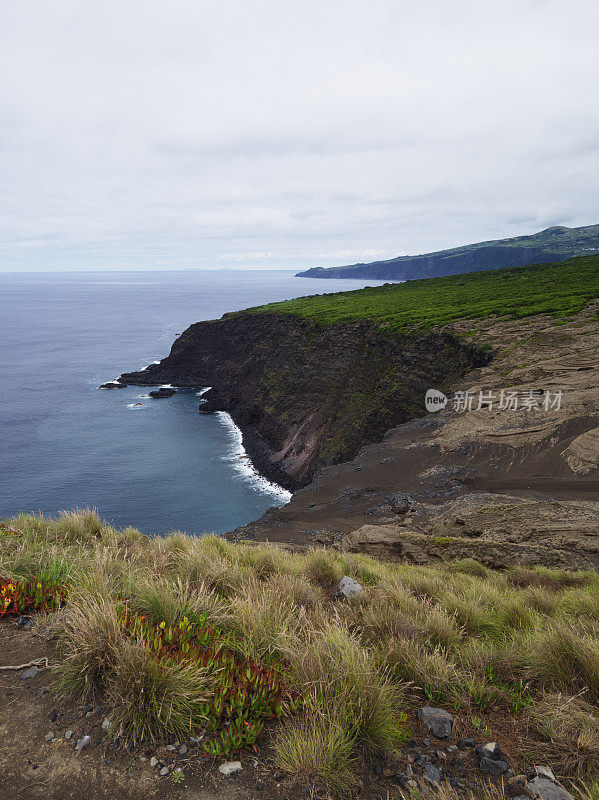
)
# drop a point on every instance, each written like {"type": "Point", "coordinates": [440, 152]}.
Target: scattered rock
{"type": "Point", "coordinates": [25, 622]}
{"type": "Point", "coordinates": [545, 789]}
{"type": "Point", "coordinates": [490, 750]}
{"type": "Point", "coordinates": [49, 736]}
{"type": "Point", "coordinates": [29, 673]}
{"type": "Point", "coordinates": [171, 748]}
{"type": "Point", "coordinates": [346, 588]}
{"type": "Point", "coordinates": [164, 771]}
{"type": "Point", "coordinates": [426, 742]}
{"type": "Point", "coordinates": [183, 750]}
{"type": "Point", "coordinates": [545, 772]}
{"type": "Point", "coordinates": [83, 742]}
{"type": "Point", "coordinates": [401, 779]}
{"type": "Point", "coordinates": [230, 768]}
{"type": "Point", "coordinates": [493, 767]}
{"type": "Point", "coordinates": [106, 724]}
{"type": "Point", "coordinates": [432, 774]}
{"type": "Point", "coordinates": [154, 762]}
{"type": "Point", "coordinates": [437, 721]}
{"type": "Point", "coordinates": [68, 734]}
{"type": "Point", "coordinates": [467, 743]}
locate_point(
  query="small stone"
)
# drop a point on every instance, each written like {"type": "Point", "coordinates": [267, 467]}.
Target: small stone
{"type": "Point", "coordinates": [490, 750]}
{"type": "Point", "coordinates": [451, 748]}
{"type": "Point", "coordinates": [49, 736]}
{"type": "Point", "coordinates": [346, 588]}
{"type": "Point", "coordinates": [467, 743]}
{"type": "Point", "coordinates": [196, 739]}
{"type": "Point", "coordinates": [401, 779]}
{"type": "Point", "coordinates": [83, 742]}
{"type": "Point", "coordinates": [426, 742]}
{"type": "Point", "coordinates": [437, 721]}
{"type": "Point", "coordinates": [171, 748]}
{"type": "Point", "coordinates": [544, 789]}
{"type": "Point", "coordinates": [87, 710]}
{"type": "Point", "coordinates": [153, 762]}
{"type": "Point", "coordinates": [53, 715]}
{"type": "Point", "coordinates": [432, 774]}
{"type": "Point", "coordinates": [545, 772]}
{"type": "Point", "coordinates": [68, 734]}
{"type": "Point", "coordinates": [440, 755]}
{"type": "Point", "coordinates": [183, 750]}
{"type": "Point", "coordinates": [29, 673]}
{"type": "Point", "coordinates": [54, 740]}
{"type": "Point", "coordinates": [25, 622]}
{"type": "Point", "coordinates": [494, 768]}
{"type": "Point", "coordinates": [230, 768]}
{"type": "Point", "coordinates": [164, 771]}
{"type": "Point", "coordinates": [106, 724]}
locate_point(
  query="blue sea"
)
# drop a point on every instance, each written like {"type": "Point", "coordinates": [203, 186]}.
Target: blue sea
{"type": "Point", "coordinates": [158, 466]}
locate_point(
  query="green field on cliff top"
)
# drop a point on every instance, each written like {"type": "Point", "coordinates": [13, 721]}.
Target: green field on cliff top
{"type": "Point", "coordinates": [556, 289]}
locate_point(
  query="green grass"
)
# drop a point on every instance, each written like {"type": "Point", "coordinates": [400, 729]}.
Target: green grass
{"type": "Point", "coordinates": [556, 289]}
{"type": "Point", "coordinates": [177, 635]}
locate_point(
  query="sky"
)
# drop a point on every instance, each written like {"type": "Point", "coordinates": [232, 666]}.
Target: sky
{"type": "Point", "coordinates": [290, 133]}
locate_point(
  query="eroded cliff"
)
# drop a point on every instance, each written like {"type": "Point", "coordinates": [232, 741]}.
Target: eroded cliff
{"type": "Point", "coordinates": [309, 395]}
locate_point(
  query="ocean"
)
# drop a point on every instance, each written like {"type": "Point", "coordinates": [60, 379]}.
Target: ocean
{"type": "Point", "coordinates": [159, 466]}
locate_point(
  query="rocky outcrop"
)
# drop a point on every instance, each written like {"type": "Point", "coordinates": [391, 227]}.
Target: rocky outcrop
{"type": "Point", "coordinates": [305, 395]}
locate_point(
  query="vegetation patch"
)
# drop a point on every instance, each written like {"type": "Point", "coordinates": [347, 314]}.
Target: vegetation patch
{"type": "Point", "coordinates": [555, 289]}
{"type": "Point", "coordinates": [181, 637]}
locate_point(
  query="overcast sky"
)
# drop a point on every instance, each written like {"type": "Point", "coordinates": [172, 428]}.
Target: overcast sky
{"type": "Point", "coordinates": [239, 133]}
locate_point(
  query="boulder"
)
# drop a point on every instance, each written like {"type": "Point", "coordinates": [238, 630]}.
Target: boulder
{"type": "Point", "coordinates": [493, 767]}
{"type": "Point", "coordinates": [545, 789]}
{"type": "Point", "coordinates": [437, 721]}
{"type": "Point", "coordinates": [112, 385]}
{"type": "Point", "coordinates": [162, 392]}
{"type": "Point", "coordinates": [490, 750]}
{"type": "Point", "coordinates": [230, 768]}
{"type": "Point", "coordinates": [346, 588]}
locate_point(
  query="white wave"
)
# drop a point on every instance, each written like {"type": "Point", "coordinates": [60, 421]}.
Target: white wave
{"type": "Point", "coordinates": [242, 463]}
{"type": "Point", "coordinates": [135, 406]}
{"type": "Point", "coordinates": [203, 391]}
{"type": "Point", "coordinates": [166, 386]}
{"type": "Point", "coordinates": [143, 369]}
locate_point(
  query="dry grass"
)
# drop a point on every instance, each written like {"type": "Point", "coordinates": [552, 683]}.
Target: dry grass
{"type": "Point", "coordinates": [461, 635]}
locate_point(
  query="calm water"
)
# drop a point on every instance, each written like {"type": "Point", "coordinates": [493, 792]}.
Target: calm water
{"type": "Point", "coordinates": [64, 443]}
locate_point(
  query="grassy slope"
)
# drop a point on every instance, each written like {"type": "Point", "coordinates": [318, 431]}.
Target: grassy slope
{"type": "Point", "coordinates": [557, 289]}
{"type": "Point", "coordinates": [513, 649]}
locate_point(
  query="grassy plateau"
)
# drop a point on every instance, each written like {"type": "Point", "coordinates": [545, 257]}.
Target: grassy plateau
{"type": "Point", "coordinates": [180, 636]}
{"type": "Point", "coordinates": [556, 289]}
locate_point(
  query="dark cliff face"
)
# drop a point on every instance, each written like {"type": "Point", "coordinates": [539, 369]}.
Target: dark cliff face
{"type": "Point", "coordinates": [307, 396]}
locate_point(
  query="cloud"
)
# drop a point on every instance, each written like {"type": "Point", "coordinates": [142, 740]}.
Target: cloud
{"type": "Point", "coordinates": [252, 133]}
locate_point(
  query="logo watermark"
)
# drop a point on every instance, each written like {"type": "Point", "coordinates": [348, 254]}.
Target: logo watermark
{"type": "Point", "coordinates": [502, 400]}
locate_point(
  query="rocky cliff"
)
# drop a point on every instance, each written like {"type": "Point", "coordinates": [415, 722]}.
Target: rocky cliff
{"type": "Point", "coordinates": [308, 395]}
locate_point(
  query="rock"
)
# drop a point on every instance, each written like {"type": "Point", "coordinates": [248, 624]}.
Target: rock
{"type": "Point", "coordinates": [106, 724]}
{"type": "Point", "coordinates": [421, 761]}
{"type": "Point", "coordinates": [112, 385]}
{"type": "Point", "coordinates": [493, 767]}
{"type": "Point", "coordinates": [451, 748]}
{"type": "Point", "coordinates": [49, 736]}
{"type": "Point", "coordinates": [171, 748]}
{"type": "Point", "coordinates": [68, 734]}
{"type": "Point", "coordinates": [401, 779]}
{"type": "Point", "coordinates": [545, 789]}
{"type": "Point", "coordinates": [230, 768]}
{"type": "Point", "coordinates": [196, 739]}
{"type": "Point", "coordinates": [29, 673]}
{"type": "Point", "coordinates": [437, 721]}
{"type": "Point", "coordinates": [545, 772]}
{"type": "Point", "coordinates": [183, 750]}
{"type": "Point", "coordinates": [154, 762]}
{"type": "Point", "coordinates": [400, 502]}
{"type": "Point", "coordinates": [426, 742]}
{"type": "Point", "coordinates": [164, 771]}
{"type": "Point", "coordinates": [346, 588]}
{"type": "Point", "coordinates": [25, 622]}
{"type": "Point", "coordinates": [83, 742]}
{"type": "Point", "coordinates": [432, 774]}
{"type": "Point", "coordinates": [490, 750]}
{"type": "Point", "coordinates": [467, 743]}
{"type": "Point", "coordinates": [162, 392]}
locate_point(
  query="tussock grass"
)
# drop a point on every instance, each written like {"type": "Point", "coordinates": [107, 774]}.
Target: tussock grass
{"type": "Point", "coordinates": [458, 635]}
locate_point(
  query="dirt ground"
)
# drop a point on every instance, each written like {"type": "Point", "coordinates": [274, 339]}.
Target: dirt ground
{"type": "Point", "coordinates": [541, 466]}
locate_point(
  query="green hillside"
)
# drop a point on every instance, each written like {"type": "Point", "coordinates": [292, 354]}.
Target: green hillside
{"type": "Point", "coordinates": [556, 289]}
{"type": "Point", "coordinates": [548, 246]}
